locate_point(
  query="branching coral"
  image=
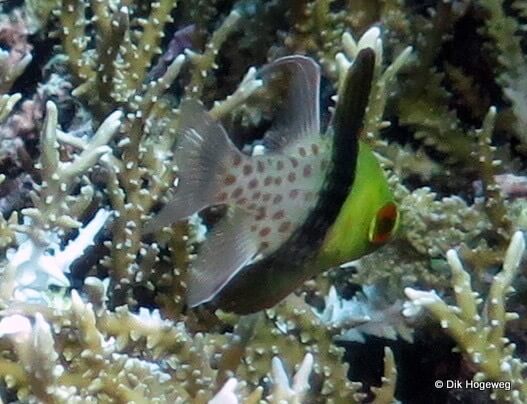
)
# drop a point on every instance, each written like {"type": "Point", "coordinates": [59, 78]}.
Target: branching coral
{"type": "Point", "coordinates": [94, 311]}
{"type": "Point", "coordinates": [365, 314]}
{"type": "Point", "coordinates": [511, 60]}
{"type": "Point", "coordinates": [53, 206]}
{"type": "Point", "coordinates": [430, 225]}
{"type": "Point", "coordinates": [383, 80]}
{"type": "Point", "coordinates": [115, 72]}
{"type": "Point", "coordinates": [7, 102]}
{"type": "Point", "coordinates": [480, 334]}
{"type": "Point", "coordinates": [13, 62]}
{"type": "Point", "coordinates": [118, 355]}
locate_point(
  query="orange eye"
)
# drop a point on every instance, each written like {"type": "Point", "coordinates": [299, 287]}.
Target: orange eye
{"type": "Point", "coordinates": [382, 226]}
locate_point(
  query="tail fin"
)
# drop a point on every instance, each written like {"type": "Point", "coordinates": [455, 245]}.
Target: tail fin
{"type": "Point", "coordinates": [200, 156]}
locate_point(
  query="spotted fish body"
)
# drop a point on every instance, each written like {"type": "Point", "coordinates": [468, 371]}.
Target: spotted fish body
{"type": "Point", "coordinates": [275, 191]}
{"type": "Point", "coordinates": [290, 208]}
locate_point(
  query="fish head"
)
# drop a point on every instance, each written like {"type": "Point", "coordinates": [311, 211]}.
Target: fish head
{"type": "Point", "coordinates": [369, 217]}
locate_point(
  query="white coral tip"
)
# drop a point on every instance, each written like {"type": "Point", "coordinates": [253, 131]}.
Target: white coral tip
{"type": "Point", "coordinates": [370, 38]}
{"type": "Point", "coordinates": [411, 310]}
{"type": "Point", "coordinates": [349, 45]}
{"type": "Point", "coordinates": [420, 297]}
{"type": "Point", "coordinates": [343, 64]}
{"type": "Point", "coordinates": [454, 262]}
{"type": "Point", "coordinates": [301, 378]}
{"type": "Point", "coordinates": [514, 252]}
{"type": "Point", "coordinates": [279, 375]}
{"type": "Point", "coordinates": [226, 395]}
{"type": "Point", "coordinates": [15, 324]}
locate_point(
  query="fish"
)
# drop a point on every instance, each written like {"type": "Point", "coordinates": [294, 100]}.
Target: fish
{"type": "Point", "coordinates": [311, 202]}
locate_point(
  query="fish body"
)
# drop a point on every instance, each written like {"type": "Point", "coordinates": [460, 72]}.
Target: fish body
{"type": "Point", "coordinates": [310, 203]}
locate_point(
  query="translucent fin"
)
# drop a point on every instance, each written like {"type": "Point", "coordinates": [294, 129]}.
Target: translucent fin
{"type": "Point", "coordinates": [299, 115]}
{"type": "Point", "coordinates": [228, 248]}
{"type": "Point", "coordinates": [202, 158]}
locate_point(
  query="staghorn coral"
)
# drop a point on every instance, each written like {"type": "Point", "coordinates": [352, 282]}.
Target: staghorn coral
{"type": "Point", "coordinates": [13, 62]}
{"type": "Point", "coordinates": [511, 60]}
{"type": "Point", "coordinates": [7, 102]}
{"type": "Point", "coordinates": [365, 314]}
{"type": "Point", "coordinates": [94, 311]}
{"type": "Point", "coordinates": [481, 334]}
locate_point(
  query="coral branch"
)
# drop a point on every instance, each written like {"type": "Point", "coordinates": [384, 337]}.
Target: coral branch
{"type": "Point", "coordinates": [481, 333]}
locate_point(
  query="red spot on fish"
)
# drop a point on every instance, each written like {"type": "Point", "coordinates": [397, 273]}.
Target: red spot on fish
{"type": "Point", "coordinates": [293, 194]}
{"type": "Point", "coordinates": [277, 199]}
{"type": "Point", "coordinates": [278, 215]}
{"type": "Point", "coordinates": [284, 227]}
{"type": "Point", "coordinates": [237, 193]}
{"type": "Point", "coordinates": [261, 214]}
{"type": "Point", "coordinates": [253, 183]}
{"type": "Point", "coordinates": [247, 169]}
{"type": "Point", "coordinates": [229, 179]}
{"type": "Point", "coordinates": [307, 170]}
{"type": "Point", "coordinates": [294, 162]}
{"type": "Point", "coordinates": [256, 195]}
{"type": "Point", "coordinates": [236, 160]}
{"type": "Point", "coordinates": [222, 197]}
{"type": "Point", "coordinates": [291, 177]}
{"type": "Point", "coordinates": [265, 232]}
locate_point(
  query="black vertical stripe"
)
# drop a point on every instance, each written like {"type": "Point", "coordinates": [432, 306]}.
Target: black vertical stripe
{"type": "Point", "coordinates": [262, 284]}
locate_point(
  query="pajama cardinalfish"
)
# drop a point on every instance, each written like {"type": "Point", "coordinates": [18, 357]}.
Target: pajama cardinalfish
{"type": "Point", "coordinates": [313, 201]}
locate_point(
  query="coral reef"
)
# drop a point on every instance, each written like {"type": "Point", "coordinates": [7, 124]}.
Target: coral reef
{"type": "Point", "coordinates": [482, 335]}
{"type": "Point", "coordinates": [93, 310]}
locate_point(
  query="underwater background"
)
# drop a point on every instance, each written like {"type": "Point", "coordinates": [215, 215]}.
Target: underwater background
{"type": "Point", "coordinates": [92, 310]}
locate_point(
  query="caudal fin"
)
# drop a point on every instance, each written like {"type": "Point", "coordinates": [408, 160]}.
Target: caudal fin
{"type": "Point", "coordinates": [201, 157]}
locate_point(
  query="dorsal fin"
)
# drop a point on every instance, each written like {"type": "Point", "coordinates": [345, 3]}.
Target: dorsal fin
{"type": "Point", "coordinates": [299, 114]}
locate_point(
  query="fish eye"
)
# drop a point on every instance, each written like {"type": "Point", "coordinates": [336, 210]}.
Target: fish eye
{"type": "Point", "coordinates": [383, 224]}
